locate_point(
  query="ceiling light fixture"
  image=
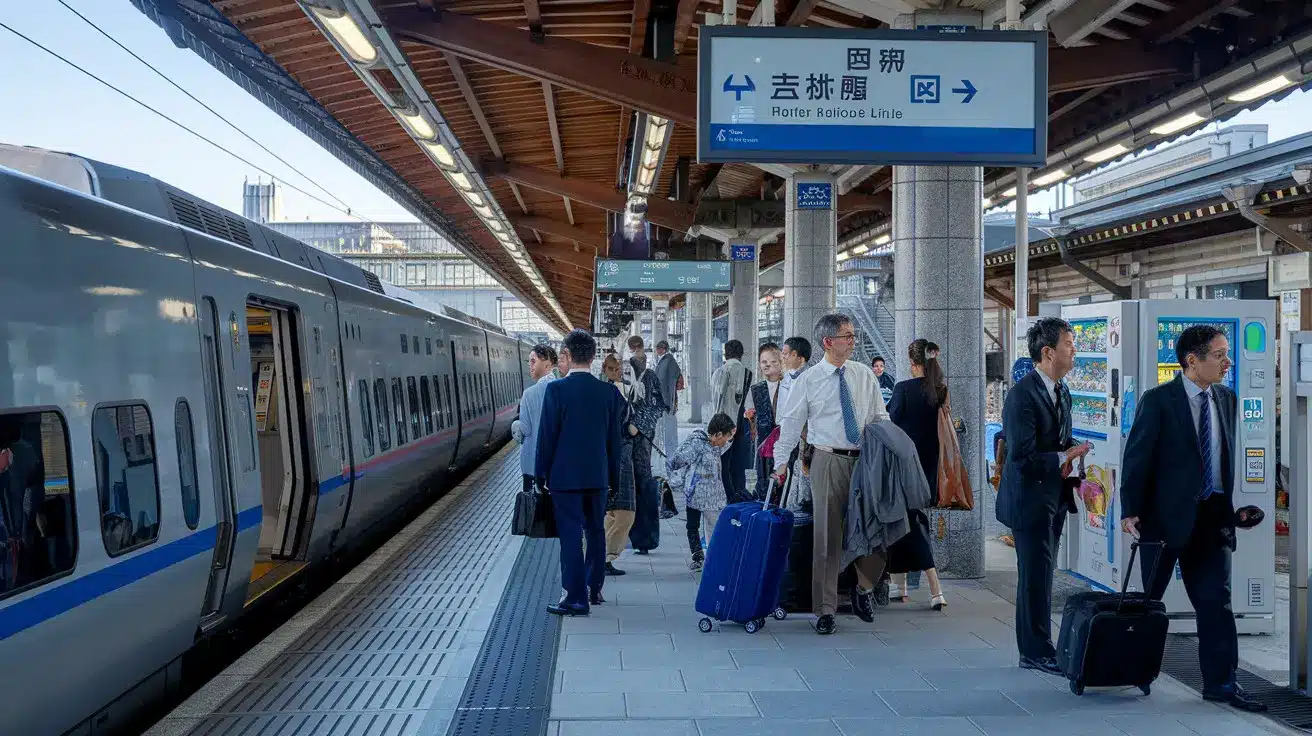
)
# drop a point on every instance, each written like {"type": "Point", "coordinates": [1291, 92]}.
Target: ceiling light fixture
{"type": "Point", "coordinates": [1257, 91]}
{"type": "Point", "coordinates": [860, 249]}
{"type": "Point", "coordinates": [440, 153]}
{"type": "Point", "coordinates": [1051, 177]}
{"type": "Point", "coordinates": [882, 239]}
{"type": "Point", "coordinates": [1010, 192]}
{"type": "Point", "coordinates": [1107, 154]}
{"type": "Point", "coordinates": [347, 33]}
{"type": "Point", "coordinates": [417, 123]}
{"type": "Point", "coordinates": [1187, 120]}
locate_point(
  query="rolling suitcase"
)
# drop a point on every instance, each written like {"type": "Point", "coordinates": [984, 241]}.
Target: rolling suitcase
{"type": "Point", "coordinates": [1112, 640]}
{"type": "Point", "coordinates": [745, 565]}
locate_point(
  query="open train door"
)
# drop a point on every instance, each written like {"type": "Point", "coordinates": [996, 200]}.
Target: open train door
{"type": "Point", "coordinates": [221, 466]}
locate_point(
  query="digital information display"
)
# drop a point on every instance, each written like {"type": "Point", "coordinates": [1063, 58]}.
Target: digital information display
{"type": "Point", "coordinates": [658, 276]}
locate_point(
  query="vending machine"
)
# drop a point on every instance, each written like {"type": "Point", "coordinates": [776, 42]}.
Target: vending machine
{"type": "Point", "coordinates": [1124, 348]}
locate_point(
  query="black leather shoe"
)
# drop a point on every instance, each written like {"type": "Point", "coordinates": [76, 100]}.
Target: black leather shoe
{"type": "Point", "coordinates": [863, 605]}
{"type": "Point", "coordinates": [881, 592]}
{"type": "Point", "coordinates": [612, 570]}
{"type": "Point", "coordinates": [825, 625]}
{"type": "Point", "coordinates": [595, 598]}
{"type": "Point", "coordinates": [643, 551]}
{"type": "Point", "coordinates": [1236, 697]}
{"type": "Point", "coordinates": [567, 609]}
{"type": "Point", "coordinates": [1046, 665]}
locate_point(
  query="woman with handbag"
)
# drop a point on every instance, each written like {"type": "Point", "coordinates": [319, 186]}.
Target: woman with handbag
{"type": "Point", "coordinates": [915, 409]}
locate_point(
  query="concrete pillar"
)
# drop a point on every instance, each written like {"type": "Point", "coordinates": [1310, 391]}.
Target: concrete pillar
{"type": "Point", "coordinates": [660, 325]}
{"type": "Point", "coordinates": [744, 299]}
{"type": "Point", "coordinates": [697, 354]}
{"type": "Point", "coordinates": [939, 271]}
{"type": "Point", "coordinates": [809, 259]}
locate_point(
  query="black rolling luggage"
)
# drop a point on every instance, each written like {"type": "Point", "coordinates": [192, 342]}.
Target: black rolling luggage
{"type": "Point", "coordinates": [1112, 640]}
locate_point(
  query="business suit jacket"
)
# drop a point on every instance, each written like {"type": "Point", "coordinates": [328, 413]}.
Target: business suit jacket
{"type": "Point", "coordinates": [1032, 490]}
{"type": "Point", "coordinates": [1162, 469]}
{"type": "Point", "coordinates": [579, 434]}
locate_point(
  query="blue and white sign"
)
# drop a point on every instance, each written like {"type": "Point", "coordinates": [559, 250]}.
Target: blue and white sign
{"type": "Point", "coordinates": [742, 251]}
{"type": "Point", "coordinates": [662, 276]}
{"type": "Point", "coordinates": [1253, 411]}
{"type": "Point", "coordinates": [857, 96]}
{"type": "Point", "coordinates": [815, 195]}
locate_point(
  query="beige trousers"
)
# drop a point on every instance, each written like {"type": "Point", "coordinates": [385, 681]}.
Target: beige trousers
{"type": "Point", "coordinates": [618, 524]}
{"type": "Point", "coordinates": [831, 485]}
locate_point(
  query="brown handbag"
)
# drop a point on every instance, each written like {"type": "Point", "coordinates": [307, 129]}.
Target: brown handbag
{"type": "Point", "coordinates": [954, 490]}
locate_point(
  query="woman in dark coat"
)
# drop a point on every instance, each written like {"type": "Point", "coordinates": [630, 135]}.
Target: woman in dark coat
{"type": "Point", "coordinates": [914, 409]}
{"type": "Point", "coordinates": [620, 504]}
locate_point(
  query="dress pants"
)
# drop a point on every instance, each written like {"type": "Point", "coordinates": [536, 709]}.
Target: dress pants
{"type": "Point", "coordinates": [667, 431]}
{"type": "Point", "coordinates": [580, 514]}
{"type": "Point", "coordinates": [764, 468]}
{"type": "Point", "coordinates": [1036, 552]}
{"type": "Point", "coordinates": [831, 486]}
{"type": "Point", "coordinates": [618, 524]}
{"type": "Point", "coordinates": [1205, 569]}
{"type": "Point", "coordinates": [734, 463]}
{"type": "Point", "coordinates": [645, 533]}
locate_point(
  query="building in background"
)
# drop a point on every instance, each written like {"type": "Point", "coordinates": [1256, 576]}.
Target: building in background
{"type": "Point", "coordinates": [1167, 160]}
{"type": "Point", "coordinates": [261, 202]}
{"type": "Point", "coordinates": [413, 255]}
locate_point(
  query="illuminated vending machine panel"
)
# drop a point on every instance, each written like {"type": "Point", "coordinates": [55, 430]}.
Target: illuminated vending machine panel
{"type": "Point", "coordinates": [1105, 339]}
{"type": "Point", "coordinates": [1249, 328]}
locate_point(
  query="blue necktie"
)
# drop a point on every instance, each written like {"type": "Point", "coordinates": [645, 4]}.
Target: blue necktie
{"type": "Point", "coordinates": [1205, 445]}
{"type": "Point", "coordinates": [849, 412]}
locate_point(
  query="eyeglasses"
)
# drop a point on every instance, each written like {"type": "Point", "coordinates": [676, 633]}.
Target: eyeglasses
{"type": "Point", "coordinates": [850, 336]}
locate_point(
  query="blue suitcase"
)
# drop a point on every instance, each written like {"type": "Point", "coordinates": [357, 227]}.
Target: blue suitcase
{"type": "Point", "coordinates": [745, 565]}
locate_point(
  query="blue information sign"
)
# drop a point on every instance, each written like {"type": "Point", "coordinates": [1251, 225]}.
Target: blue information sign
{"type": "Point", "coordinates": [659, 276]}
{"type": "Point", "coordinates": [863, 96]}
{"type": "Point", "coordinates": [742, 251]}
{"type": "Point", "coordinates": [815, 195]}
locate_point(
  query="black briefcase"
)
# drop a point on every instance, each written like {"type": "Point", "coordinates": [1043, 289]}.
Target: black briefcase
{"type": "Point", "coordinates": [534, 516]}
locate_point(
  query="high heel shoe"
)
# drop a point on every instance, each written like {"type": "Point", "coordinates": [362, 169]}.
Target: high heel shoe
{"type": "Point", "coordinates": [938, 602]}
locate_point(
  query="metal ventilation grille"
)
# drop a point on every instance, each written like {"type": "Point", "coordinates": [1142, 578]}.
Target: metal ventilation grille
{"type": "Point", "coordinates": [1255, 591]}
{"type": "Point", "coordinates": [186, 212]}
{"type": "Point", "coordinates": [240, 234]}
{"type": "Point", "coordinates": [202, 217]}
{"type": "Point", "coordinates": [372, 280]}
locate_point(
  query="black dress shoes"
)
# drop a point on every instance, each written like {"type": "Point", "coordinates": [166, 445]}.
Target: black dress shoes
{"type": "Point", "coordinates": [567, 609]}
{"type": "Point", "coordinates": [1236, 697]}
{"type": "Point", "coordinates": [1042, 664]}
{"type": "Point", "coordinates": [595, 598]}
{"type": "Point", "coordinates": [612, 570]}
{"type": "Point", "coordinates": [825, 625]}
{"type": "Point", "coordinates": [863, 605]}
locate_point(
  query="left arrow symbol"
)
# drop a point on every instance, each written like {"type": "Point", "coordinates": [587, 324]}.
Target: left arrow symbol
{"type": "Point", "coordinates": [966, 89]}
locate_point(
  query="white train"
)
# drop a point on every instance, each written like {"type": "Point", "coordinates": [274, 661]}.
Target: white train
{"type": "Point", "coordinates": [195, 409]}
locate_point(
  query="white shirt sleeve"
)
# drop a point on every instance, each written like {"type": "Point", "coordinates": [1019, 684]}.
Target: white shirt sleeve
{"type": "Point", "coordinates": [793, 414]}
{"type": "Point", "coordinates": [878, 410]}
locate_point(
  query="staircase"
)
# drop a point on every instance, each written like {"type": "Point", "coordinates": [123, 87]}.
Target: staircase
{"type": "Point", "coordinates": [874, 323]}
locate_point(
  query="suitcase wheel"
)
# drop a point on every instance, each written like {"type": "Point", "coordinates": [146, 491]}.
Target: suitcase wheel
{"type": "Point", "coordinates": [1077, 687]}
{"type": "Point", "coordinates": [754, 625]}
{"type": "Point", "coordinates": [780, 614]}
{"type": "Point", "coordinates": [1146, 688]}
{"type": "Point", "coordinates": [704, 625]}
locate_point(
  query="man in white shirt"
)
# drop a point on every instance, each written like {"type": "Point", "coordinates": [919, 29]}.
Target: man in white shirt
{"type": "Point", "coordinates": [541, 361]}
{"type": "Point", "coordinates": [835, 399]}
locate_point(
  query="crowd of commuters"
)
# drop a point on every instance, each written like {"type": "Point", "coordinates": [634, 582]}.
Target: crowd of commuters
{"type": "Point", "coordinates": [812, 426]}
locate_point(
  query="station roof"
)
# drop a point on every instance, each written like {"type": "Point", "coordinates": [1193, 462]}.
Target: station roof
{"type": "Point", "coordinates": [540, 96]}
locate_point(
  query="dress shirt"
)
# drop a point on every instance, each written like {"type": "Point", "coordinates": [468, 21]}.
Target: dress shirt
{"type": "Point", "coordinates": [1193, 391]}
{"type": "Point", "coordinates": [530, 418]}
{"type": "Point", "coordinates": [1050, 386]}
{"type": "Point", "coordinates": [813, 401]}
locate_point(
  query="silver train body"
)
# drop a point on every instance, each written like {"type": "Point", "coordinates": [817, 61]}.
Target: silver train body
{"type": "Point", "coordinates": [196, 409]}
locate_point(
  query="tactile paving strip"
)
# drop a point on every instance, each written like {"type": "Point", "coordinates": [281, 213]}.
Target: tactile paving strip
{"type": "Point", "coordinates": [1290, 706]}
{"type": "Point", "coordinates": [373, 665]}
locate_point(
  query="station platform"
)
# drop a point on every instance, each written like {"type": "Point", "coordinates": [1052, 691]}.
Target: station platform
{"type": "Point", "coordinates": [443, 632]}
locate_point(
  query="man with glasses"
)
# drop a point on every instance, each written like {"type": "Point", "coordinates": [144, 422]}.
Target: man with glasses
{"type": "Point", "coordinates": [836, 398]}
{"type": "Point", "coordinates": [1177, 488]}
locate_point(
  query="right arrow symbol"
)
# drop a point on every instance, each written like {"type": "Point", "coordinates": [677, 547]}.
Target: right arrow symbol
{"type": "Point", "coordinates": [968, 90]}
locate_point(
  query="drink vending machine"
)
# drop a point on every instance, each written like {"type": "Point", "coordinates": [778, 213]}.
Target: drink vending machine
{"type": "Point", "coordinates": [1124, 348]}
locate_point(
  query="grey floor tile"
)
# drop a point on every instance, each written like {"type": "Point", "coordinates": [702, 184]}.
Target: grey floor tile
{"type": "Point", "coordinates": [1222, 723]}
{"type": "Point", "coordinates": [623, 642]}
{"type": "Point", "coordinates": [632, 612]}
{"type": "Point", "coordinates": [965, 703]}
{"type": "Point", "coordinates": [797, 638]}
{"type": "Point", "coordinates": [620, 681]}
{"type": "Point", "coordinates": [768, 727]}
{"type": "Point", "coordinates": [646, 659]}
{"type": "Point", "coordinates": [948, 639]}
{"type": "Point", "coordinates": [1044, 725]}
{"type": "Point", "coordinates": [789, 658]}
{"type": "Point", "coordinates": [986, 657]}
{"type": "Point", "coordinates": [1100, 700]}
{"type": "Point", "coordinates": [727, 635]}
{"type": "Point", "coordinates": [588, 659]}
{"type": "Point", "coordinates": [589, 625]}
{"type": "Point", "coordinates": [628, 728]}
{"type": "Point", "coordinates": [655, 625]}
{"type": "Point", "coordinates": [587, 705]}
{"type": "Point", "coordinates": [690, 705]}
{"type": "Point", "coordinates": [748, 678]}
{"type": "Point", "coordinates": [908, 727]}
{"type": "Point", "coordinates": [895, 657]}
{"type": "Point", "coordinates": [830, 704]}
{"type": "Point", "coordinates": [1151, 724]}
{"type": "Point", "coordinates": [985, 678]}
{"type": "Point", "coordinates": [866, 679]}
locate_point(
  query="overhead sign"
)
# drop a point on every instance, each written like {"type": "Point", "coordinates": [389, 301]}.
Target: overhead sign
{"type": "Point", "coordinates": [659, 276]}
{"type": "Point", "coordinates": [857, 96]}
{"type": "Point", "coordinates": [742, 251]}
{"type": "Point", "coordinates": [815, 195]}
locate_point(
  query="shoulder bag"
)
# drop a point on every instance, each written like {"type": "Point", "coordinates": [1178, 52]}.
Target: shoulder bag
{"type": "Point", "coordinates": [954, 491]}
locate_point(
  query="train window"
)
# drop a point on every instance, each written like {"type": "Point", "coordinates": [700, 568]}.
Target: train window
{"type": "Point", "coordinates": [186, 463]}
{"type": "Point", "coordinates": [366, 419]}
{"type": "Point", "coordinates": [428, 346]}
{"type": "Point", "coordinates": [36, 508]}
{"type": "Point", "coordinates": [464, 398]}
{"type": "Point", "coordinates": [416, 425]}
{"type": "Point", "coordinates": [450, 405]}
{"type": "Point", "coordinates": [384, 415]}
{"type": "Point", "coordinates": [123, 440]}
{"type": "Point", "coordinates": [405, 344]}
{"type": "Point", "coordinates": [437, 397]}
{"type": "Point", "coordinates": [416, 344]}
{"type": "Point", "coordinates": [427, 399]}
{"type": "Point", "coordinates": [398, 404]}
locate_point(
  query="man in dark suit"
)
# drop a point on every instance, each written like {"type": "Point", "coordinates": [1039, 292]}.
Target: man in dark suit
{"type": "Point", "coordinates": [581, 415]}
{"type": "Point", "coordinates": [1177, 486]}
{"type": "Point", "coordinates": [1033, 499]}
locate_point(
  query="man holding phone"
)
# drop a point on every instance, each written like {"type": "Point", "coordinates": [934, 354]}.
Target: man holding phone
{"type": "Point", "coordinates": [1034, 496]}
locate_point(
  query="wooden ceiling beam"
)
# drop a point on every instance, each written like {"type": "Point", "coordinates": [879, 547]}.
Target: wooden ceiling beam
{"type": "Point", "coordinates": [1078, 21]}
{"type": "Point", "coordinates": [674, 215]}
{"type": "Point", "coordinates": [801, 12]}
{"type": "Point", "coordinates": [1117, 62]}
{"type": "Point", "coordinates": [683, 18]}
{"type": "Point", "coordinates": [661, 88]}
{"type": "Point", "coordinates": [552, 123]}
{"type": "Point", "coordinates": [563, 254]}
{"type": "Point", "coordinates": [1184, 17]}
{"type": "Point", "coordinates": [853, 202]}
{"type": "Point", "coordinates": [583, 236]}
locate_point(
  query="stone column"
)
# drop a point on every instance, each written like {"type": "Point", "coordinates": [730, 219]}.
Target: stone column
{"type": "Point", "coordinates": [939, 272]}
{"type": "Point", "coordinates": [697, 353]}
{"type": "Point", "coordinates": [809, 259]}
{"type": "Point", "coordinates": [744, 299]}
{"type": "Point", "coordinates": [660, 326]}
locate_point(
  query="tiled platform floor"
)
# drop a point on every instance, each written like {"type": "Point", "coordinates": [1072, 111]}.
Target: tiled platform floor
{"type": "Point", "coordinates": [638, 666]}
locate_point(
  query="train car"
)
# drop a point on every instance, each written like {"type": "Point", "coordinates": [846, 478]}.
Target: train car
{"type": "Point", "coordinates": [195, 410]}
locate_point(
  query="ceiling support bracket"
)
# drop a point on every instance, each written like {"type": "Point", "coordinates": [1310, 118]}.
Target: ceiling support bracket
{"type": "Point", "coordinates": [1243, 195]}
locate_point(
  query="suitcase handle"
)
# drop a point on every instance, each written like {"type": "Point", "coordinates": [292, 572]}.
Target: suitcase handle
{"type": "Point", "coordinates": [1129, 569]}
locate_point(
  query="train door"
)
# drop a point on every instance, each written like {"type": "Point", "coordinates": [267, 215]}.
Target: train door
{"type": "Point", "coordinates": [221, 468]}
{"type": "Point", "coordinates": [281, 433]}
